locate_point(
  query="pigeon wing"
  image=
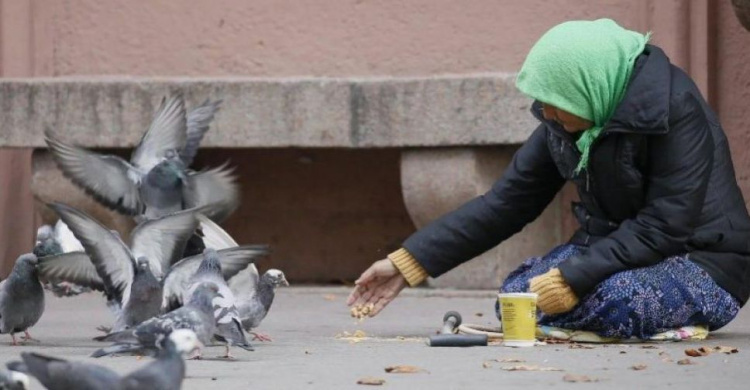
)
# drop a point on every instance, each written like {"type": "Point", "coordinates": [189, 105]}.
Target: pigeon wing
{"type": "Point", "coordinates": [112, 259]}
{"type": "Point", "coordinates": [162, 240]}
{"type": "Point", "coordinates": [198, 121]}
{"type": "Point", "coordinates": [214, 236]}
{"type": "Point", "coordinates": [56, 373]}
{"type": "Point", "coordinates": [68, 242]}
{"type": "Point", "coordinates": [233, 260]}
{"type": "Point", "coordinates": [108, 179]}
{"type": "Point", "coordinates": [72, 267]}
{"type": "Point", "coordinates": [166, 133]}
{"type": "Point", "coordinates": [215, 188]}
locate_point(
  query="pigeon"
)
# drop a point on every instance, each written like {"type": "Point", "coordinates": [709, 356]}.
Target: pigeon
{"type": "Point", "coordinates": [196, 315]}
{"type": "Point", "coordinates": [51, 241]}
{"type": "Point", "coordinates": [254, 297]}
{"type": "Point", "coordinates": [156, 181]}
{"type": "Point", "coordinates": [252, 302]}
{"type": "Point", "coordinates": [21, 298]}
{"type": "Point", "coordinates": [129, 276]}
{"type": "Point", "coordinates": [11, 379]}
{"type": "Point", "coordinates": [228, 325]}
{"type": "Point", "coordinates": [164, 373]}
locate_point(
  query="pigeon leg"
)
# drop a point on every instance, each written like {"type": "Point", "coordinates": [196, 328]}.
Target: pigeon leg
{"type": "Point", "coordinates": [27, 337]}
{"type": "Point", "coordinates": [197, 356]}
{"type": "Point", "coordinates": [15, 342]}
{"type": "Point", "coordinates": [227, 355]}
{"type": "Point", "coordinates": [260, 336]}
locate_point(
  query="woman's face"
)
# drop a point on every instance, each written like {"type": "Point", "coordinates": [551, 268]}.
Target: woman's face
{"type": "Point", "coordinates": [571, 123]}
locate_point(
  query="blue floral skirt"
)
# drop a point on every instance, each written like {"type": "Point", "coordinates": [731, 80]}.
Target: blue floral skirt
{"type": "Point", "coordinates": [635, 303]}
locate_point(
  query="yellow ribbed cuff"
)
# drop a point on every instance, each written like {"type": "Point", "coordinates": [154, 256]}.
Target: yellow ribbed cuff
{"type": "Point", "coordinates": [413, 272]}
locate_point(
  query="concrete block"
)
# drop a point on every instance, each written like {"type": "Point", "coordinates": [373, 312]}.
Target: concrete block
{"type": "Point", "coordinates": [305, 112]}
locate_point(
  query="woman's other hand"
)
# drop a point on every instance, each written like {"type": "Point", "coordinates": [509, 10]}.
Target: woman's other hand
{"type": "Point", "coordinates": [555, 295]}
{"type": "Point", "coordinates": [378, 285]}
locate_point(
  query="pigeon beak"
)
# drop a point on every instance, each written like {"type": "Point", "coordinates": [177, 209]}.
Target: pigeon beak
{"type": "Point", "coordinates": [284, 282]}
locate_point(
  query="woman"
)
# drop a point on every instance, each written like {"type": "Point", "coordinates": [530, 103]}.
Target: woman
{"type": "Point", "coordinates": [664, 233]}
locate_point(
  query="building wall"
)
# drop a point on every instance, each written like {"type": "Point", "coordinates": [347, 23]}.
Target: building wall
{"type": "Point", "coordinates": [356, 38]}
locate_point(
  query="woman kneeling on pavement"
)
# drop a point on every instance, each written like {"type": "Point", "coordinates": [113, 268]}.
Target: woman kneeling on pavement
{"type": "Point", "coordinates": [664, 236]}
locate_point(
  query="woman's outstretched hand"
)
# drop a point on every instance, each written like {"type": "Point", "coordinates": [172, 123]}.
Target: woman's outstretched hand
{"type": "Point", "coordinates": [378, 285]}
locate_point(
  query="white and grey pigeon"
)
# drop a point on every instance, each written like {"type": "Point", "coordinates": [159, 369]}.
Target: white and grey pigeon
{"type": "Point", "coordinates": [165, 373]}
{"type": "Point", "coordinates": [156, 181]}
{"type": "Point", "coordinates": [254, 295]}
{"type": "Point", "coordinates": [11, 379]}
{"type": "Point", "coordinates": [128, 275]}
{"type": "Point", "coordinates": [197, 315]}
{"type": "Point", "coordinates": [228, 325]}
{"type": "Point", "coordinates": [21, 298]}
{"type": "Point", "coordinates": [55, 240]}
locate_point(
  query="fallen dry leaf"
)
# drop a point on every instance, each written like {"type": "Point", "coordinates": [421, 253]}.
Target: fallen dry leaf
{"type": "Point", "coordinates": [685, 362]}
{"type": "Point", "coordinates": [524, 367]}
{"type": "Point", "coordinates": [623, 352]}
{"type": "Point", "coordinates": [371, 381]}
{"type": "Point", "coordinates": [404, 369]}
{"type": "Point", "coordinates": [479, 314]}
{"type": "Point", "coordinates": [649, 346]}
{"type": "Point", "coordinates": [581, 346]}
{"type": "Point", "coordinates": [510, 360]}
{"type": "Point", "coordinates": [639, 367]}
{"type": "Point", "coordinates": [579, 378]}
{"type": "Point", "coordinates": [725, 349]}
{"type": "Point", "coordinates": [702, 351]}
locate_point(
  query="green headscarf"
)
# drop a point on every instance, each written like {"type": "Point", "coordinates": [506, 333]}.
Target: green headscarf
{"type": "Point", "coordinates": [582, 67]}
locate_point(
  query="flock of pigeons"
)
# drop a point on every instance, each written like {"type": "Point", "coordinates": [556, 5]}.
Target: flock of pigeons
{"type": "Point", "coordinates": [178, 283]}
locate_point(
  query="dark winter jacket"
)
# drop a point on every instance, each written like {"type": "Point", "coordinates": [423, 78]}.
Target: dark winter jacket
{"type": "Point", "coordinates": [660, 183]}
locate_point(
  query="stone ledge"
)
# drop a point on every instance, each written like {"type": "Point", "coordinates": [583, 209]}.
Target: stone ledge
{"type": "Point", "coordinates": [306, 112]}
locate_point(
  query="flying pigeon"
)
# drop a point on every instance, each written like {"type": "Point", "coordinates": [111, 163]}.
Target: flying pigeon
{"type": "Point", "coordinates": [254, 297]}
{"type": "Point", "coordinates": [196, 315]}
{"type": "Point", "coordinates": [21, 298]}
{"type": "Point", "coordinates": [228, 325]}
{"type": "Point", "coordinates": [156, 181]}
{"type": "Point", "coordinates": [11, 379]}
{"type": "Point", "coordinates": [164, 373]}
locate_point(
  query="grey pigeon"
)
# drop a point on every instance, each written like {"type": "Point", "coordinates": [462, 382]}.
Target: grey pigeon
{"type": "Point", "coordinates": [21, 298]}
{"type": "Point", "coordinates": [196, 315]}
{"type": "Point", "coordinates": [11, 379]}
{"type": "Point", "coordinates": [128, 275]}
{"type": "Point", "coordinates": [164, 373]}
{"type": "Point", "coordinates": [156, 181]}
{"type": "Point", "coordinates": [255, 297]}
{"type": "Point", "coordinates": [228, 326]}
{"type": "Point", "coordinates": [253, 304]}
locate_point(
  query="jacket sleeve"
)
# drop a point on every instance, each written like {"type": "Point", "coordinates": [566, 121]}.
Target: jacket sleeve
{"type": "Point", "coordinates": [525, 189]}
{"type": "Point", "coordinates": [680, 163]}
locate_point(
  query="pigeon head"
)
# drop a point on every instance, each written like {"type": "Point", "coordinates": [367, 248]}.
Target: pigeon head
{"type": "Point", "coordinates": [20, 379]}
{"type": "Point", "coordinates": [210, 263]}
{"type": "Point", "coordinates": [44, 233]}
{"type": "Point", "coordinates": [26, 264]}
{"type": "Point", "coordinates": [142, 265]}
{"type": "Point", "coordinates": [169, 173]}
{"type": "Point", "coordinates": [183, 341]}
{"type": "Point", "coordinates": [275, 277]}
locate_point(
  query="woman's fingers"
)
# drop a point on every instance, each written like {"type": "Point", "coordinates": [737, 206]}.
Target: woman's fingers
{"type": "Point", "coordinates": [353, 297]}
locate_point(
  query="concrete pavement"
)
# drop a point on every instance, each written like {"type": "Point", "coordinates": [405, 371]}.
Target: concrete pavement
{"type": "Point", "coordinates": [306, 354]}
